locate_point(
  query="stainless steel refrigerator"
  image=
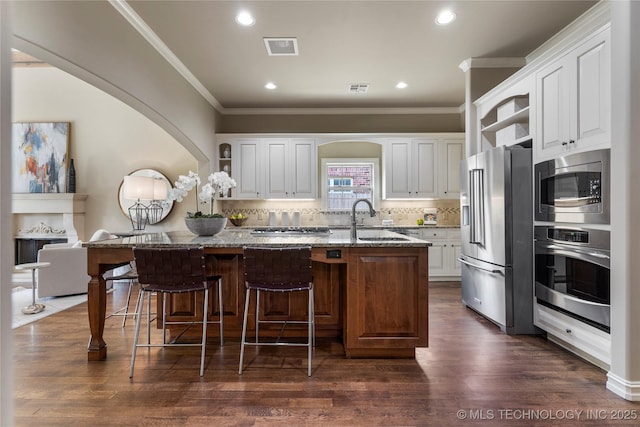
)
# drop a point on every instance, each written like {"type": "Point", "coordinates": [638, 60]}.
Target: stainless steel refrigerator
{"type": "Point", "coordinates": [497, 237]}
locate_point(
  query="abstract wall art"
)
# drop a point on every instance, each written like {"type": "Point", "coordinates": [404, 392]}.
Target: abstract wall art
{"type": "Point", "coordinates": [40, 157]}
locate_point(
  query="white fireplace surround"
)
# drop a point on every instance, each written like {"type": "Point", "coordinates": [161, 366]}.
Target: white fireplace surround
{"type": "Point", "coordinates": [49, 215]}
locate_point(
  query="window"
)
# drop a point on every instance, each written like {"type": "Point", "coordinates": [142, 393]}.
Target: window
{"type": "Point", "coordinates": [346, 180]}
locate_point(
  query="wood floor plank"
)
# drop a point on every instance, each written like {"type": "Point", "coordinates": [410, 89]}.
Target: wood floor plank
{"type": "Point", "coordinates": [470, 375]}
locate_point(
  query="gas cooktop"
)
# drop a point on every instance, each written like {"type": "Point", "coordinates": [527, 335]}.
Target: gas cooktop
{"type": "Point", "coordinates": [290, 231]}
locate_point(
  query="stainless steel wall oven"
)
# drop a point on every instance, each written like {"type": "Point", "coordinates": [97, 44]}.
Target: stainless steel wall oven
{"type": "Point", "coordinates": [572, 272]}
{"type": "Point", "coordinates": [574, 188]}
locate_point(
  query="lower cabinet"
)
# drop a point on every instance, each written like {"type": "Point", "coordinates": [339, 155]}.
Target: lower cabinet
{"type": "Point", "coordinates": [584, 340]}
{"type": "Point", "coordinates": [376, 299]}
{"type": "Point", "coordinates": [273, 306]}
{"type": "Point", "coordinates": [386, 303]}
{"type": "Point", "coordinates": [444, 253]}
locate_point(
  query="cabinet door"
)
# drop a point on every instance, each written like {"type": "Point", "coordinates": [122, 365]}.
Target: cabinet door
{"type": "Point", "coordinates": [277, 160]}
{"type": "Point", "coordinates": [437, 258]}
{"type": "Point", "coordinates": [291, 169]}
{"type": "Point", "coordinates": [425, 167]}
{"type": "Point", "coordinates": [303, 183]}
{"type": "Point", "coordinates": [247, 161]}
{"type": "Point", "coordinates": [455, 250]}
{"type": "Point", "coordinates": [398, 169]}
{"type": "Point", "coordinates": [591, 123]}
{"type": "Point", "coordinates": [411, 168]}
{"type": "Point", "coordinates": [386, 302]}
{"type": "Point", "coordinates": [452, 153]}
{"type": "Point", "coordinates": [553, 106]}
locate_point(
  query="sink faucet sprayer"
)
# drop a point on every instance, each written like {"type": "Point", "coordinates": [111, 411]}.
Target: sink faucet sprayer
{"type": "Point", "coordinates": [372, 213]}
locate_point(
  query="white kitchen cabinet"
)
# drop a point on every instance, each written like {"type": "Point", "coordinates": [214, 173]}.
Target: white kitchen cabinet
{"type": "Point", "coordinates": [574, 99]}
{"type": "Point", "coordinates": [423, 168]}
{"type": "Point", "coordinates": [578, 337]}
{"type": "Point", "coordinates": [452, 152]}
{"type": "Point", "coordinates": [291, 169]}
{"type": "Point", "coordinates": [274, 168]}
{"type": "Point", "coordinates": [247, 168]}
{"type": "Point", "coordinates": [411, 168]}
{"type": "Point", "coordinates": [443, 253]}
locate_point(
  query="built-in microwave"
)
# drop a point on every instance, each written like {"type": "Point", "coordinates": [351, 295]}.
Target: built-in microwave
{"type": "Point", "coordinates": [574, 188]}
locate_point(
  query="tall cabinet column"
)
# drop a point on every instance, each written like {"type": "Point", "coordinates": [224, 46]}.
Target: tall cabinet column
{"type": "Point", "coordinates": [624, 374]}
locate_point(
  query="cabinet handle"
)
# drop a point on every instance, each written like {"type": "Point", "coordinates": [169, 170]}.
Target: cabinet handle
{"type": "Point", "coordinates": [568, 330]}
{"type": "Point", "coordinates": [571, 141]}
{"type": "Point", "coordinates": [564, 143]}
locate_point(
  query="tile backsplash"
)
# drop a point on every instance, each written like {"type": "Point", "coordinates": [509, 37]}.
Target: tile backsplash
{"type": "Point", "coordinates": [401, 212]}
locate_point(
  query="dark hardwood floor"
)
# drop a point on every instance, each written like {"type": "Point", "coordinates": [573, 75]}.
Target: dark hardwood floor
{"type": "Point", "coordinates": [471, 375]}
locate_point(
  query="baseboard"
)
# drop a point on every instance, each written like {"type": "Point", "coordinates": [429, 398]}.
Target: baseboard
{"type": "Point", "coordinates": [628, 390]}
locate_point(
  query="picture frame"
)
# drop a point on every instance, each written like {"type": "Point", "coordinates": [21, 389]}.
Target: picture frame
{"type": "Point", "coordinates": [40, 157]}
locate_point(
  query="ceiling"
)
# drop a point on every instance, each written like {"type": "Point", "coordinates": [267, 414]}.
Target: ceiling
{"type": "Point", "coordinates": [341, 43]}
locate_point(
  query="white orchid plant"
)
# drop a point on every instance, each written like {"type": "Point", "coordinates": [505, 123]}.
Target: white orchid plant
{"type": "Point", "coordinates": [218, 184]}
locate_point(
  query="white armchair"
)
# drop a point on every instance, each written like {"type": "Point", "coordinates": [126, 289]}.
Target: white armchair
{"type": "Point", "coordinates": [67, 274]}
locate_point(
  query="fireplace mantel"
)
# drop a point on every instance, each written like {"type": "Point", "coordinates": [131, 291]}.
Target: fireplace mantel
{"type": "Point", "coordinates": [59, 211]}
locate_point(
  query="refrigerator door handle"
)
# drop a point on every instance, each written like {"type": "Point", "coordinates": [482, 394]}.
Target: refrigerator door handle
{"type": "Point", "coordinates": [476, 230]}
{"type": "Point", "coordinates": [493, 271]}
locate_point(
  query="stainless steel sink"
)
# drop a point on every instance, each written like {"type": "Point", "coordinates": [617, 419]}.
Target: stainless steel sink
{"type": "Point", "coordinates": [383, 239]}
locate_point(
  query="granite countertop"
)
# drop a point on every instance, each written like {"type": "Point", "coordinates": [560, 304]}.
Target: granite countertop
{"type": "Point", "coordinates": [393, 227]}
{"type": "Point", "coordinates": [241, 236]}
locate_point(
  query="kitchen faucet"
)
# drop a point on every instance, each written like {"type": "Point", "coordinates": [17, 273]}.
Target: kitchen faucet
{"type": "Point", "coordinates": [372, 213]}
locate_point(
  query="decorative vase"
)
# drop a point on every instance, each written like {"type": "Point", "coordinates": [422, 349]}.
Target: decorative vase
{"type": "Point", "coordinates": [71, 182]}
{"type": "Point", "coordinates": [205, 226]}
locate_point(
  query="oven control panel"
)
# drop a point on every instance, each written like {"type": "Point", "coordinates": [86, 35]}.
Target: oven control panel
{"type": "Point", "coordinates": [568, 235]}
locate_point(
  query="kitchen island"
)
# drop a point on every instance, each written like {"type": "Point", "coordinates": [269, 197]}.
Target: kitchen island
{"type": "Point", "coordinates": [372, 291]}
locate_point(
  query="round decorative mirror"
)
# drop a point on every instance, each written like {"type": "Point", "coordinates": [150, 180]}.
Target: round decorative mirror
{"type": "Point", "coordinates": [164, 206]}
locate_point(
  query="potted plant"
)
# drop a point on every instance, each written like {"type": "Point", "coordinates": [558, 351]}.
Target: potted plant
{"type": "Point", "coordinates": [218, 184]}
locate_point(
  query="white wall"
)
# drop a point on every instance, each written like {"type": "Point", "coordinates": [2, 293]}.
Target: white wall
{"type": "Point", "coordinates": [6, 247]}
{"type": "Point", "coordinates": [624, 375]}
{"type": "Point", "coordinates": [93, 41]}
{"type": "Point", "coordinates": [108, 140]}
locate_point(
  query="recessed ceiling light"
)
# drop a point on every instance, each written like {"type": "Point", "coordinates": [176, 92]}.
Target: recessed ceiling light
{"type": "Point", "coordinates": [445, 17]}
{"type": "Point", "coordinates": [270, 86]}
{"type": "Point", "coordinates": [245, 18]}
{"type": "Point", "coordinates": [401, 85]}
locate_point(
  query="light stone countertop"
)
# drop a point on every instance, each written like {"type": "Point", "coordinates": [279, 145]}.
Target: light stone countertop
{"type": "Point", "coordinates": [240, 236]}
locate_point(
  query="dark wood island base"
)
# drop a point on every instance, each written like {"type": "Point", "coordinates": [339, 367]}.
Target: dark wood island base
{"type": "Point", "coordinates": [373, 296]}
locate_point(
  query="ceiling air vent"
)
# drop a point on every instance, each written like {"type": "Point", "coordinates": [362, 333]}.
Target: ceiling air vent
{"type": "Point", "coordinates": [359, 88]}
{"type": "Point", "coordinates": [281, 46]}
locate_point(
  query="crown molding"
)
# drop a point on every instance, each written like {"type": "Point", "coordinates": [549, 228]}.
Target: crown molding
{"type": "Point", "coordinates": [340, 111]}
{"type": "Point", "coordinates": [138, 23]}
{"type": "Point", "coordinates": [507, 62]}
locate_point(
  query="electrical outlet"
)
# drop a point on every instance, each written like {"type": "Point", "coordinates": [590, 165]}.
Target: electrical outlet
{"type": "Point", "coordinates": [259, 216]}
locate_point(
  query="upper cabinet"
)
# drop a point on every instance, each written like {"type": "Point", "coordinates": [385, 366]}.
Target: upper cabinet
{"type": "Point", "coordinates": [274, 168]}
{"type": "Point", "coordinates": [411, 168]}
{"type": "Point", "coordinates": [451, 153]}
{"type": "Point", "coordinates": [423, 168]}
{"type": "Point", "coordinates": [574, 99]}
{"type": "Point", "coordinates": [291, 168]}
{"type": "Point", "coordinates": [247, 167]}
